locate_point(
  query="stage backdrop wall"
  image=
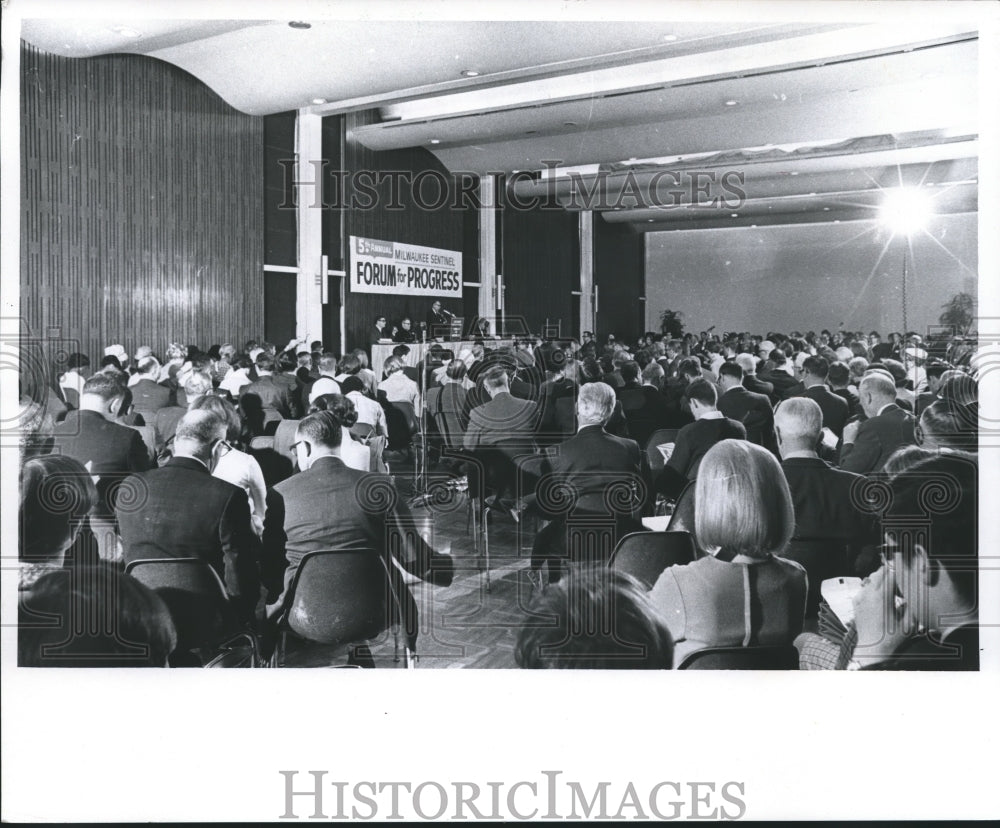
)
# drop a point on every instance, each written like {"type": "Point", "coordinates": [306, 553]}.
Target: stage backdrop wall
{"type": "Point", "coordinates": [375, 217]}
{"type": "Point", "coordinates": [808, 276]}
{"type": "Point", "coordinates": [141, 196]}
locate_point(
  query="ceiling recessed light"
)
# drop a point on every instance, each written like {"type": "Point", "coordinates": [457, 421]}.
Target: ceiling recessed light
{"type": "Point", "coordinates": [435, 140]}
{"type": "Point", "coordinates": [794, 172]}
{"type": "Point", "coordinates": [734, 215]}
{"type": "Point", "coordinates": [126, 31]}
{"type": "Point", "coordinates": [319, 101]}
{"type": "Point", "coordinates": [826, 209]}
{"type": "Point", "coordinates": [731, 103]}
{"type": "Point", "coordinates": [569, 123]}
{"type": "Point", "coordinates": [670, 38]}
{"type": "Point", "coordinates": [469, 73]}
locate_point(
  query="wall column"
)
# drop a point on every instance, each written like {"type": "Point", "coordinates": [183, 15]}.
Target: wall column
{"type": "Point", "coordinates": [587, 303]}
{"type": "Point", "coordinates": [488, 210]}
{"type": "Point", "coordinates": [309, 216]}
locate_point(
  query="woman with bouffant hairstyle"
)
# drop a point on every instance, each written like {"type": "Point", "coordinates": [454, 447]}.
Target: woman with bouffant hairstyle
{"type": "Point", "coordinates": [743, 594]}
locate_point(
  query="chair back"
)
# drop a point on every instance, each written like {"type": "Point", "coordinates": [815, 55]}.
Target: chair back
{"type": "Point", "coordinates": [646, 554]}
{"type": "Point", "coordinates": [401, 422]}
{"type": "Point", "coordinates": [194, 595]}
{"type": "Point", "coordinates": [148, 434]}
{"type": "Point", "coordinates": [339, 597]}
{"type": "Point", "coordinates": [284, 438]}
{"type": "Point", "coordinates": [682, 519]}
{"type": "Point", "coordinates": [821, 559]}
{"type": "Point", "coordinates": [362, 432]}
{"type": "Point", "coordinates": [376, 447]}
{"type": "Point", "coordinates": [657, 438]}
{"type": "Point", "coordinates": [742, 658]}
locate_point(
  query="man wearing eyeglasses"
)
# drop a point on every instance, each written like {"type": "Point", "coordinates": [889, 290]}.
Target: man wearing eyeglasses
{"type": "Point", "coordinates": [181, 511]}
{"type": "Point", "coordinates": [328, 506]}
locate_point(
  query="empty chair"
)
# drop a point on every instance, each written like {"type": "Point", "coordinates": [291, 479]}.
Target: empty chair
{"type": "Point", "coordinates": [742, 658]}
{"type": "Point", "coordinates": [644, 555]}
{"type": "Point", "coordinates": [658, 438]}
{"type": "Point", "coordinates": [682, 518]}
{"type": "Point", "coordinates": [340, 599]}
{"type": "Point", "coordinates": [205, 619]}
{"type": "Point", "coordinates": [402, 424]}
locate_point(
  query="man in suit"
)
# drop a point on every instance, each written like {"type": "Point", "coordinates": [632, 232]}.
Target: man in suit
{"type": "Point", "coordinates": [556, 399]}
{"type": "Point", "coordinates": [743, 406]}
{"type": "Point", "coordinates": [437, 321]}
{"type": "Point", "coordinates": [182, 511]}
{"type": "Point", "coordinates": [605, 472]}
{"type": "Point", "coordinates": [750, 380]}
{"type": "Point", "coordinates": [694, 440]}
{"type": "Point", "coordinates": [824, 498]}
{"type": "Point", "coordinates": [645, 407]}
{"type": "Point", "coordinates": [866, 446]}
{"type": "Point", "coordinates": [266, 400]}
{"type": "Point", "coordinates": [377, 331]}
{"type": "Point", "coordinates": [785, 385]}
{"type": "Point", "coordinates": [504, 419]}
{"type": "Point", "coordinates": [330, 506]}
{"type": "Point", "coordinates": [839, 378]}
{"type": "Point", "coordinates": [815, 371]}
{"type": "Point", "coordinates": [148, 396]}
{"type": "Point", "coordinates": [109, 451]}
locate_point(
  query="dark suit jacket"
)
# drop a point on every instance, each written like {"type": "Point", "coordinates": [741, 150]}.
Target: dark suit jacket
{"type": "Point", "coordinates": [877, 438]}
{"type": "Point", "coordinates": [557, 420]}
{"type": "Point", "coordinates": [824, 503]}
{"type": "Point", "coordinates": [593, 462]}
{"type": "Point", "coordinates": [114, 452]}
{"type": "Point", "coordinates": [751, 383]}
{"type": "Point", "coordinates": [149, 396]}
{"type": "Point", "coordinates": [275, 397]}
{"type": "Point", "coordinates": [181, 511]}
{"type": "Point", "coordinates": [646, 410]}
{"type": "Point", "coordinates": [785, 385]}
{"type": "Point", "coordinates": [834, 407]}
{"type": "Point", "coordinates": [330, 506]}
{"type": "Point", "coordinates": [853, 403]}
{"type": "Point", "coordinates": [693, 441]}
{"type": "Point", "coordinates": [754, 411]}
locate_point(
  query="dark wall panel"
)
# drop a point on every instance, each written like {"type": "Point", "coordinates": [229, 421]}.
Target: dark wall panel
{"type": "Point", "coordinates": [141, 205]}
{"type": "Point", "coordinates": [279, 212]}
{"type": "Point", "coordinates": [401, 219]}
{"type": "Point", "coordinates": [541, 267]}
{"type": "Point", "coordinates": [619, 273]}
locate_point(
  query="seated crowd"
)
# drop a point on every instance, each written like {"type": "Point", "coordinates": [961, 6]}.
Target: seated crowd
{"type": "Point", "coordinates": [787, 460]}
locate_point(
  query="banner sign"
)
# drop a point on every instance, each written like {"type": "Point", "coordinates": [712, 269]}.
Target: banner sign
{"type": "Point", "coordinates": [391, 267]}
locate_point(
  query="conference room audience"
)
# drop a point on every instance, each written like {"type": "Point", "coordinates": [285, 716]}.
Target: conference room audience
{"type": "Point", "coordinates": [743, 593]}
{"type": "Point", "coordinates": [397, 387]}
{"type": "Point", "coordinates": [165, 512]}
{"type": "Point", "coordinates": [595, 619]}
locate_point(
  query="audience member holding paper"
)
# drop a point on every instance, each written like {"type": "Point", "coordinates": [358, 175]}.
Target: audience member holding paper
{"type": "Point", "coordinates": [695, 439]}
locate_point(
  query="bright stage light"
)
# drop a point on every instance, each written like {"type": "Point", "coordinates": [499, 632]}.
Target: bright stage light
{"type": "Point", "coordinates": [905, 211]}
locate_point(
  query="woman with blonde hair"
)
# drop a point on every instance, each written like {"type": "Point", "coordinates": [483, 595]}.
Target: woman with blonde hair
{"type": "Point", "coordinates": [743, 594]}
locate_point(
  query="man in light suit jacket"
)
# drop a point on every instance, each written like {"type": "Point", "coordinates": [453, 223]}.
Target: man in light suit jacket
{"type": "Point", "coordinates": [328, 506]}
{"type": "Point", "coordinates": [148, 396]}
{"type": "Point", "coordinates": [503, 421]}
{"type": "Point", "coordinates": [868, 445]}
{"type": "Point", "coordinates": [181, 511]}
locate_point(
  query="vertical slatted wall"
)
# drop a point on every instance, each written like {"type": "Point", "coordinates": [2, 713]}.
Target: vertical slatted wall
{"type": "Point", "coordinates": [142, 218]}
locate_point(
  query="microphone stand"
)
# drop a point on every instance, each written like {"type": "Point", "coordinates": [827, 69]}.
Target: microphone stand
{"type": "Point", "coordinates": [420, 458]}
